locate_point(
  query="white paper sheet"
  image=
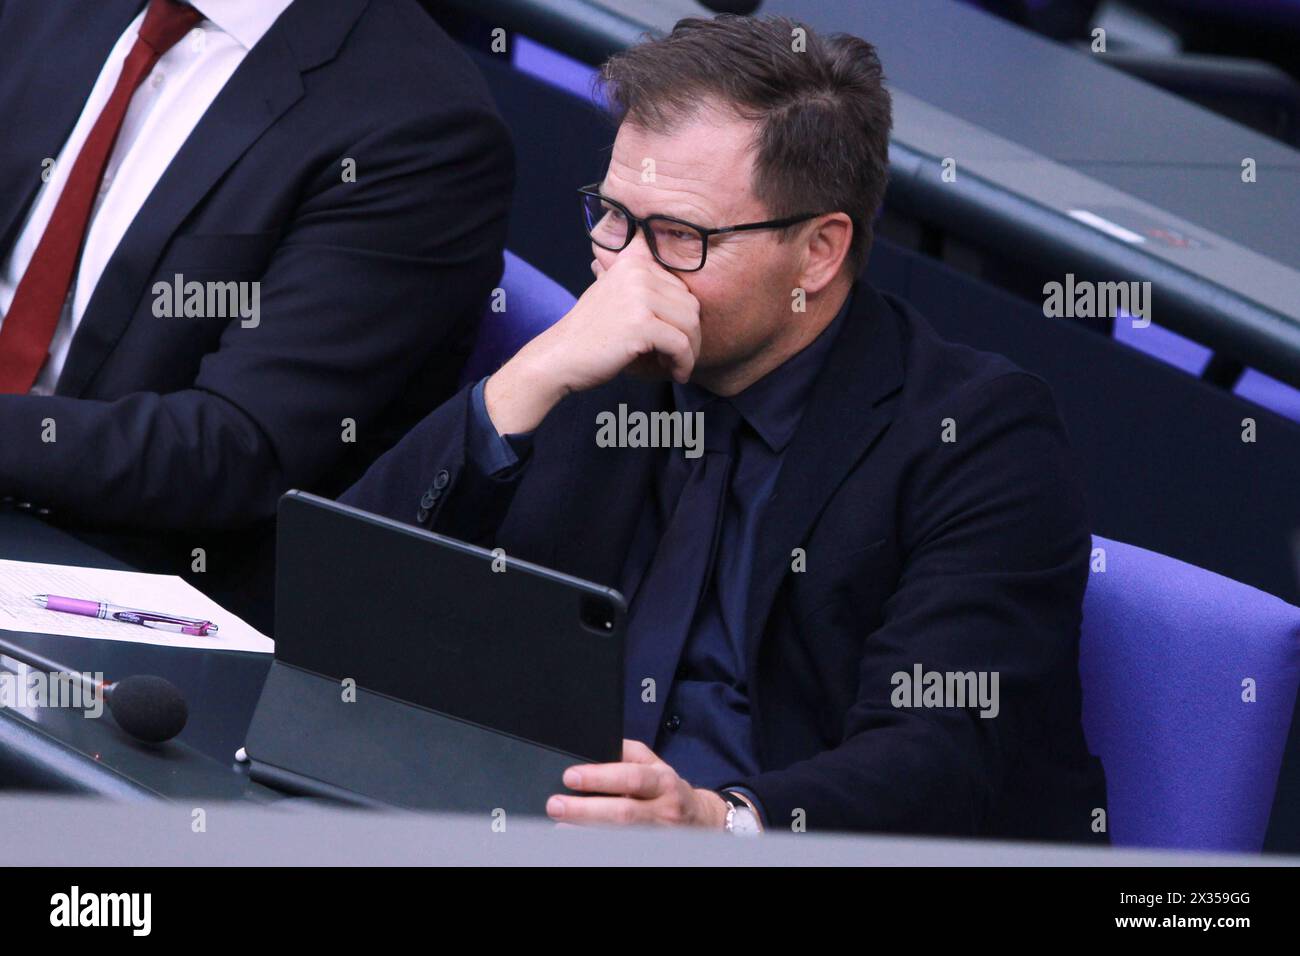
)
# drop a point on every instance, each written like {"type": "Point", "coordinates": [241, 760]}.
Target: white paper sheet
{"type": "Point", "coordinates": [20, 581]}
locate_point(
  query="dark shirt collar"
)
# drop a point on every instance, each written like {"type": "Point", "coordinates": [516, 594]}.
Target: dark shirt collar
{"type": "Point", "coordinates": [774, 404]}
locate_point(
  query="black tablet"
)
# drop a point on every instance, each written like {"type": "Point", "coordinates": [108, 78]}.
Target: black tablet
{"type": "Point", "coordinates": [415, 670]}
{"type": "Point", "coordinates": [450, 627]}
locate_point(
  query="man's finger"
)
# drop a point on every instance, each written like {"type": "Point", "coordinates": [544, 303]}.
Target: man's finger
{"type": "Point", "coordinates": [613, 811]}
{"type": "Point", "coordinates": [639, 780]}
{"type": "Point", "coordinates": [634, 751]}
{"type": "Point", "coordinates": [672, 342]}
{"type": "Point", "coordinates": [681, 310]}
{"type": "Point", "coordinates": [685, 320]}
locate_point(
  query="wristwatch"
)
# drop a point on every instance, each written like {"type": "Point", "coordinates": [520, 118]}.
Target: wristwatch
{"type": "Point", "coordinates": [742, 817]}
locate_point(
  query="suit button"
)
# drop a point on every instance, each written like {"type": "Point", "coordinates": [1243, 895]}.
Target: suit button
{"type": "Point", "coordinates": [428, 500]}
{"type": "Point", "coordinates": [422, 516]}
{"type": "Point", "coordinates": [440, 480]}
{"type": "Point", "coordinates": [672, 723]}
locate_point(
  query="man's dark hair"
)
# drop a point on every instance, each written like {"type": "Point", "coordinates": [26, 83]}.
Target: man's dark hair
{"type": "Point", "coordinates": [822, 111]}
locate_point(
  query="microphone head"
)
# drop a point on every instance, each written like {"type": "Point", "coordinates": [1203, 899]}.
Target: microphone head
{"type": "Point", "coordinates": [148, 708]}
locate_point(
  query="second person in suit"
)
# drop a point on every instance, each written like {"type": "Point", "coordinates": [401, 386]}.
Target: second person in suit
{"type": "Point", "coordinates": [332, 178]}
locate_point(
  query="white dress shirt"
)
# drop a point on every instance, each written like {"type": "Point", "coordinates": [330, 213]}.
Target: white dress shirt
{"type": "Point", "coordinates": [163, 112]}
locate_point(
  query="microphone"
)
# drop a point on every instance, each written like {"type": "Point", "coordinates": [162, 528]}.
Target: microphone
{"type": "Point", "coordinates": [149, 708]}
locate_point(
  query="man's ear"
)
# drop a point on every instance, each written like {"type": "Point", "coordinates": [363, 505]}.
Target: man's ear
{"type": "Point", "coordinates": [826, 244]}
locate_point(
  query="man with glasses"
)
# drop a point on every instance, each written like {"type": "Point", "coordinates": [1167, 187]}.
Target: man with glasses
{"type": "Point", "coordinates": [857, 606]}
{"type": "Point", "coordinates": [675, 243]}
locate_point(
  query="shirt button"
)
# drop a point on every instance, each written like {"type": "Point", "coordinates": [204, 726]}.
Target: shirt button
{"type": "Point", "coordinates": [672, 723]}
{"type": "Point", "coordinates": [157, 80]}
{"type": "Point", "coordinates": [441, 479]}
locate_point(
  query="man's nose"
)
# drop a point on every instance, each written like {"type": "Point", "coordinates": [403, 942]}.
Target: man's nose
{"type": "Point", "coordinates": [638, 248]}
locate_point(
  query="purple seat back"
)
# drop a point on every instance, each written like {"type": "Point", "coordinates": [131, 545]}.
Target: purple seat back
{"type": "Point", "coordinates": [526, 303]}
{"type": "Point", "coordinates": [1166, 653]}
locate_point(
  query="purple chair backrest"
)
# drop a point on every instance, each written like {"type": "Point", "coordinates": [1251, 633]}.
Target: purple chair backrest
{"type": "Point", "coordinates": [1189, 682]}
{"type": "Point", "coordinates": [526, 303]}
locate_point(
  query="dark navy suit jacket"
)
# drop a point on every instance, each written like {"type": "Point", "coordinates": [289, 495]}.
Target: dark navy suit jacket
{"type": "Point", "coordinates": [959, 556]}
{"type": "Point", "coordinates": [370, 290]}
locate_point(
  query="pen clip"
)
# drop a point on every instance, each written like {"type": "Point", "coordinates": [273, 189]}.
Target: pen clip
{"type": "Point", "coordinates": [174, 619]}
{"type": "Point", "coordinates": [146, 617]}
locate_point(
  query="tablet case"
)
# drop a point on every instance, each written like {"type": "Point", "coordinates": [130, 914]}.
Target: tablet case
{"type": "Point", "coordinates": [419, 671]}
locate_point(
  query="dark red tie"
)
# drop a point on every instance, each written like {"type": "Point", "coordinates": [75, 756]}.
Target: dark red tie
{"type": "Point", "coordinates": [33, 315]}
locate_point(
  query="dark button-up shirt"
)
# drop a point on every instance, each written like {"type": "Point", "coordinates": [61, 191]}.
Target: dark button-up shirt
{"type": "Point", "coordinates": [707, 734]}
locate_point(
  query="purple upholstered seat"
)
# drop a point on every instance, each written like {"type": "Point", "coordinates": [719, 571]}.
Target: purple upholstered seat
{"type": "Point", "coordinates": [529, 303]}
{"type": "Point", "coordinates": [1167, 649]}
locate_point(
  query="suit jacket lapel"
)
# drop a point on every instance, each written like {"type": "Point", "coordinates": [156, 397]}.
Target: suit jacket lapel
{"type": "Point", "coordinates": [43, 89]}
{"type": "Point", "coordinates": [846, 413]}
{"type": "Point", "coordinates": [607, 488]}
{"type": "Point", "coordinates": [262, 89]}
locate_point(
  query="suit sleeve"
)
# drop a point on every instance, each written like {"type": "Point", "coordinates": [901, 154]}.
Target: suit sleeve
{"type": "Point", "coordinates": [997, 544]}
{"type": "Point", "coordinates": [454, 455]}
{"type": "Point", "coordinates": [369, 278]}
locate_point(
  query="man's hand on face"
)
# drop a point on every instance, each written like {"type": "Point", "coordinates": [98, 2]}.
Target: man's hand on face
{"type": "Point", "coordinates": [642, 790]}
{"type": "Point", "coordinates": [635, 315]}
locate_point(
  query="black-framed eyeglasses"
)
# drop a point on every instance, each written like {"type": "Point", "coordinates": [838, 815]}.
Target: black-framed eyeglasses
{"type": "Point", "coordinates": [675, 243]}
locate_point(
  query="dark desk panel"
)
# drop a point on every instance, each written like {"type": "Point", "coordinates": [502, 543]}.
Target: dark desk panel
{"type": "Point", "coordinates": [1252, 217]}
{"type": "Point", "coordinates": [24, 537]}
{"type": "Point", "coordinates": [61, 748]}
{"type": "Point", "coordinates": [1065, 104]}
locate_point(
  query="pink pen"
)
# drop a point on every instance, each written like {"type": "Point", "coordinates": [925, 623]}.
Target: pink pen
{"type": "Point", "coordinates": [111, 612]}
